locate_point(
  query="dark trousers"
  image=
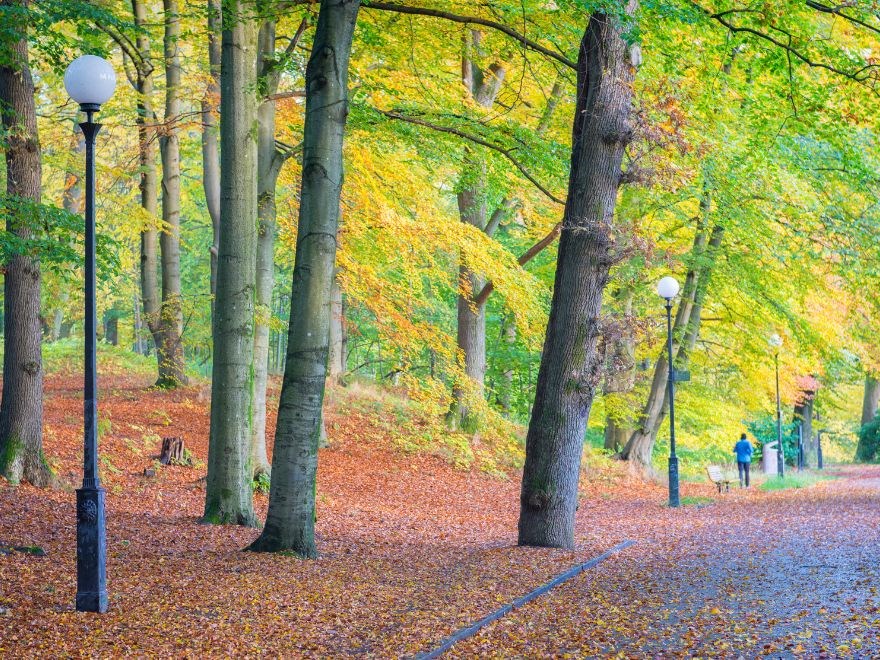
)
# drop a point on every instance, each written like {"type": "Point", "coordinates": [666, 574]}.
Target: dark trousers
{"type": "Point", "coordinates": [743, 470]}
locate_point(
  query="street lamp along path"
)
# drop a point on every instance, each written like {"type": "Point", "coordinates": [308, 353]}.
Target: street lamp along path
{"type": "Point", "coordinates": [668, 288]}
{"type": "Point", "coordinates": [776, 342]}
{"type": "Point", "coordinates": [90, 81]}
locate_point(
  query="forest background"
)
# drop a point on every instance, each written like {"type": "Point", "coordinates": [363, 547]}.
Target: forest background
{"type": "Point", "coordinates": [750, 175]}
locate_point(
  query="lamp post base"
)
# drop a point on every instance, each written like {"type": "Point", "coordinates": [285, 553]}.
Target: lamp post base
{"type": "Point", "coordinates": [674, 500]}
{"type": "Point", "coordinates": [91, 551]}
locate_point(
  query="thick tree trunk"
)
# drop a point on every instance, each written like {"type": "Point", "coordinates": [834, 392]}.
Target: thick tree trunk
{"type": "Point", "coordinates": [21, 407]}
{"type": "Point", "coordinates": [290, 523]}
{"type": "Point", "coordinates": [871, 399]}
{"type": "Point", "coordinates": [210, 150]}
{"type": "Point", "coordinates": [169, 348]}
{"type": "Point", "coordinates": [228, 498]}
{"type": "Point", "coordinates": [570, 363]}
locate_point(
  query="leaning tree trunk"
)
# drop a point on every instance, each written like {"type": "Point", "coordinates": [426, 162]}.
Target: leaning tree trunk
{"type": "Point", "coordinates": [210, 150]}
{"type": "Point", "coordinates": [570, 362]}
{"type": "Point", "coordinates": [169, 349]}
{"type": "Point", "coordinates": [290, 523]}
{"type": "Point", "coordinates": [21, 407]}
{"type": "Point", "coordinates": [228, 498]}
{"type": "Point", "coordinates": [871, 399]}
{"type": "Point", "coordinates": [640, 447]}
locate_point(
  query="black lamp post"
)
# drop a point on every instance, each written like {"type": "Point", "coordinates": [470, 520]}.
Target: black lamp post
{"type": "Point", "coordinates": [776, 342]}
{"type": "Point", "coordinates": [668, 289]}
{"type": "Point", "coordinates": [90, 81]}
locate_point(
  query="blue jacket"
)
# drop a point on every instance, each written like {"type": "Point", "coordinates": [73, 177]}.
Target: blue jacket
{"type": "Point", "coordinates": [743, 451]}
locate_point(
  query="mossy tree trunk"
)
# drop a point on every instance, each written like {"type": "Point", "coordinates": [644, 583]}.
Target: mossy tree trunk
{"type": "Point", "coordinates": [290, 523]}
{"type": "Point", "coordinates": [21, 407]}
{"type": "Point", "coordinates": [570, 363]}
{"type": "Point", "coordinates": [229, 498]}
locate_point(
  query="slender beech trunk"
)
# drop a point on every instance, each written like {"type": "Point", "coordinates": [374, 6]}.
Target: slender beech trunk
{"type": "Point", "coordinates": [149, 180]}
{"type": "Point", "coordinates": [268, 168]}
{"type": "Point", "coordinates": [228, 498]}
{"type": "Point", "coordinates": [337, 360]}
{"type": "Point", "coordinates": [483, 88]}
{"type": "Point", "coordinates": [21, 407]}
{"type": "Point", "coordinates": [570, 362]}
{"type": "Point", "coordinates": [210, 148]}
{"type": "Point", "coordinates": [169, 348]}
{"type": "Point", "coordinates": [871, 399]}
{"type": "Point", "coordinates": [290, 523]}
{"type": "Point", "coordinates": [619, 375]}
{"type": "Point", "coordinates": [269, 163]}
{"type": "Point", "coordinates": [72, 202]}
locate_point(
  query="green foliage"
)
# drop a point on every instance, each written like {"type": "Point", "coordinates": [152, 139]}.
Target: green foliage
{"type": "Point", "coordinates": [869, 442]}
{"type": "Point", "coordinates": [794, 480]}
{"type": "Point", "coordinates": [53, 235]}
{"type": "Point", "coordinates": [261, 483]}
{"type": "Point", "coordinates": [763, 428]}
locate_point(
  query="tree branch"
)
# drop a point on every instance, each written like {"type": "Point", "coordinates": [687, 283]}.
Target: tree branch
{"type": "Point", "coordinates": [471, 20]}
{"type": "Point", "coordinates": [524, 258]}
{"type": "Point", "coordinates": [476, 140]}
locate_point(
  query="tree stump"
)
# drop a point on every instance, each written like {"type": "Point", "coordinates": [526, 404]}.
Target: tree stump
{"type": "Point", "coordinates": [172, 452]}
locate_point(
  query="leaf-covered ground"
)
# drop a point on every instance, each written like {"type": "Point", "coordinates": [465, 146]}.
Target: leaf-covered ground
{"type": "Point", "coordinates": [413, 549]}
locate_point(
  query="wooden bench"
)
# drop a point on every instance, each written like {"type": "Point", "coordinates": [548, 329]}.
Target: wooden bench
{"type": "Point", "coordinates": [717, 477]}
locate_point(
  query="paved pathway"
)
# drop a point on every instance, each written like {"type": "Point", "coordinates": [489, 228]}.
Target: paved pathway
{"type": "Point", "coordinates": [789, 574]}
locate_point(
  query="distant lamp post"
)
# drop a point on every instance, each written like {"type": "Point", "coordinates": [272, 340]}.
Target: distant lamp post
{"type": "Point", "coordinates": [668, 289]}
{"type": "Point", "coordinates": [776, 342]}
{"type": "Point", "coordinates": [90, 81]}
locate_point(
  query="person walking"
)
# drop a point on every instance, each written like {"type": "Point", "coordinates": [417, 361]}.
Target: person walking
{"type": "Point", "coordinates": [743, 450]}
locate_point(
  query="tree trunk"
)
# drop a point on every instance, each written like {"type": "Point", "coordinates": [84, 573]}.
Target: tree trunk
{"type": "Point", "coordinates": [570, 362]}
{"type": "Point", "coordinates": [290, 523]}
{"type": "Point", "coordinates": [169, 348]}
{"type": "Point", "coordinates": [149, 181]}
{"type": "Point", "coordinates": [337, 360]}
{"type": "Point", "coordinates": [505, 398]}
{"type": "Point", "coordinates": [21, 407]}
{"type": "Point", "coordinates": [210, 151]}
{"type": "Point", "coordinates": [268, 168]}
{"type": "Point", "coordinates": [871, 399]}
{"type": "Point", "coordinates": [803, 414]}
{"type": "Point", "coordinates": [483, 87]}
{"type": "Point", "coordinates": [72, 202]}
{"type": "Point", "coordinates": [687, 327]}
{"type": "Point", "coordinates": [619, 376]}
{"type": "Point", "coordinates": [228, 498]}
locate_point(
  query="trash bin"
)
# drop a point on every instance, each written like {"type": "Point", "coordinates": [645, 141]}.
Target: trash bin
{"type": "Point", "coordinates": [768, 460]}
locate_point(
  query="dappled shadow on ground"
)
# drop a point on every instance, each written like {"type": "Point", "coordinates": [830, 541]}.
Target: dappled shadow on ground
{"type": "Point", "coordinates": [412, 549]}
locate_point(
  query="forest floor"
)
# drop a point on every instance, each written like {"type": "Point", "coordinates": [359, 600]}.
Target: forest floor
{"type": "Point", "coordinates": [413, 549]}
